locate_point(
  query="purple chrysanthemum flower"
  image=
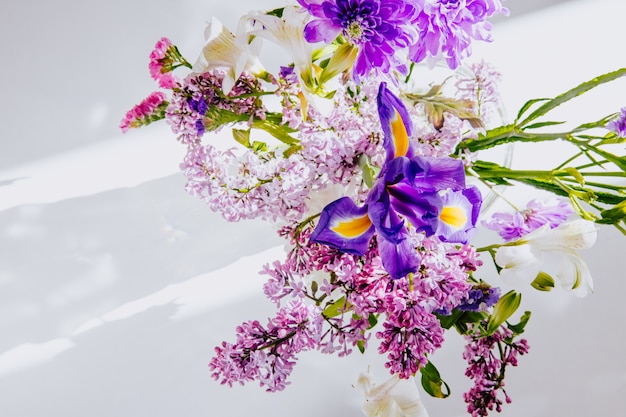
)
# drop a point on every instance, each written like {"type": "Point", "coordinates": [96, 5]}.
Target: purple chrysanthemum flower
{"type": "Point", "coordinates": [378, 28]}
{"type": "Point", "coordinates": [618, 125]}
{"type": "Point", "coordinates": [447, 28]}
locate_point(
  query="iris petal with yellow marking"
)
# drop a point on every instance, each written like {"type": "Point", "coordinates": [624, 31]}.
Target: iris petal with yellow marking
{"type": "Point", "coordinates": [345, 226]}
{"type": "Point", "coordinates": [396, 124]}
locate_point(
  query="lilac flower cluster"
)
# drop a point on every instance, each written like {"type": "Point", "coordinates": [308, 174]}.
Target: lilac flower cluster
{"type": "Point", "coordinates": [246, 186]}
{"type": "Point", "coordinates": [488, 358]}
{"type": "Point", "coordinates": [352, 290]}
{"type": "Point", "coordinates": [511, 226]}
{"type": "Point", "coordinates": [199, 105]}
{"type": "Point", "coordinates": [267, 354]}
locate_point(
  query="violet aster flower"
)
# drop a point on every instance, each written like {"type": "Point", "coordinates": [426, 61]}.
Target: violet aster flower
{"type": "Point", "coordinates": [618, 125]}
{"type": "Point", "coordinates": [379, 29]}
{"type": "Point", "coordinates": [427, 193]}
{"type": "Point", "coordinates": [447, 28]}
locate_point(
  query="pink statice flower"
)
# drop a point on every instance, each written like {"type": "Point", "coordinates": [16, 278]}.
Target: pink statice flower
{"type": "Point", "coordinates": [152, 108]}
{"type": "Point", "coordinates": [163, 59]}
{"type": "Point", "coordinates": [511, 226]}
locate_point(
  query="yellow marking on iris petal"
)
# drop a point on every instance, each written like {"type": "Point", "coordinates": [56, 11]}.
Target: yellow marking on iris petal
{"type": "Point", "coordinates": [400, 135]}
{"type": "Point", "coordinates": [353, 227]}
{"type": "Point", "coordinates": [453, 216]}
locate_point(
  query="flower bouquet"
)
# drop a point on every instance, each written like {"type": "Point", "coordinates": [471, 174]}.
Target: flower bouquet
{"type": "Point", "coordinates": [377, 149]}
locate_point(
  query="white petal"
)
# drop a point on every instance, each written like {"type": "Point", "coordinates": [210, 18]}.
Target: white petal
{"type": "Point", "coordinates": [394, 398]}
{"type": "Point", "coordinates": [520, 264]}
{"type": "Point", "coordinates": [574, 275]}
{"type": "Point", "coordinates": [577, 234]}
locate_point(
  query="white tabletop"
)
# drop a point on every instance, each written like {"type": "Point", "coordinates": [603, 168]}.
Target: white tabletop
{"type": "Point", "coordinates": [115, 285]}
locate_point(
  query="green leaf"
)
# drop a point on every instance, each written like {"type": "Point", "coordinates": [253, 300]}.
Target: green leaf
{"type": "Point", "coordinates": [518, 328]}
{"type": "Point", "coordinates": [504, 308]}
{"type": "Point", "coordinates": [432, 382]}
{"type": "Point", "coordinates": [543, 282]}
{"type": "Point", "coordinates": [242, 136]}
{"type": "Point", "coordinates": [360, 344]}
{"type": "Point", "coordinates": [372, 320]}
{"type": "Point", "coordinates": [337, 308]}
{"type": "Point", "coordinates": [542, 124]}
{"type": "Point", "coordinates": [528, 105]}
{"type": "Point", "coordinates": [570, 94]}
{"type": "Point", "coordinates": [576, 174]}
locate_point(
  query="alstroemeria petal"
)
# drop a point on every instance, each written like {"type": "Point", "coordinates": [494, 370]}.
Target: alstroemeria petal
{"type": "Point", "coordinates": [345, 226]}
{"type": "Point", "coordinates": [434, 174]}
{"type": "Point", "coordinates": [574, 275]}
{"type": "Point", "coordinates": [396, 124]}
{"type": "Point", "coordinates": [520, 264]}
{"type": "Point", "coordinates": [399, 259]}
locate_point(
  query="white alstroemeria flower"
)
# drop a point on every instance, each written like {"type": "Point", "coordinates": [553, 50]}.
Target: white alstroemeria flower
{"type": "Point", "coordinates": [526, 257]}
{"type": "Point", "coordinates": [288, 32]}
{"type": "Point", "coordinates": [394, 398]}
{"type": "Point", "coordinates": [225, 50]}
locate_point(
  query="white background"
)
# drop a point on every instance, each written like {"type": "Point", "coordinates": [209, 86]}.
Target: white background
{"type": "Point", "coordinates": [115, 285]}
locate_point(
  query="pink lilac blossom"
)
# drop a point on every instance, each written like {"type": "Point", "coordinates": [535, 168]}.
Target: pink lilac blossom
{"type": "Point", "coordinates": [447, 28]}
{"type": "Point", "coordinates": [267, 354]}
{"type": "Point", "coordinates": [511, 226]}
{"type": "Point", "coordinates": [481, 87]}
{"type": "Point", "coordinates": [429, 141]}
{"type": "Point", "coordinates": [152, 108]}
{"type": "Point", "coordinates": [246, 186]}
{"type": "Point", "coordinates": [160, 65]}
{"type": "Point", "coordinates": [487, 369]}
{"type": "Point", "coordinates": [334, 143]}
{"type": "Point", "coordinates": [618, 125]}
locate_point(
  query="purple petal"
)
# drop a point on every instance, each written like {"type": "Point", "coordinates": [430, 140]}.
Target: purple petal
{"type": "Point", "coordinates": [434, 174]}
{"type": "Point", "coordinates": [399, 259]}
{"type": "Point", "coordinates": [344, 226]}
{"type": "Point", "coordinates": [458, 214]}
{"type": "Point", "coordinates": [321, 30]}
{"type": "Point", "coordinates": [396, 124]}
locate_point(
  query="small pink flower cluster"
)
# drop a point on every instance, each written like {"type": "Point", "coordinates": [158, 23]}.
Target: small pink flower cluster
{"type": "Point", "coordinates": [150, 109]}
{"type": "Point", "coordinates": [487, 370]}
{"type": "Point", "coordinates": [160, 65]}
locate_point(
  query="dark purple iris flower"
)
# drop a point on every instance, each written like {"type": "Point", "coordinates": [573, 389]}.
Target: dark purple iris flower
{"type": "Point", "coordinates": [379, 28]}
{"type": "Point", "coordinates": [426, 193]}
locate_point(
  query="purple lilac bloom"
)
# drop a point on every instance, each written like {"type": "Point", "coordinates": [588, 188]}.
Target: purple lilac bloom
{"type": "Point", "coordinates": [378, 28]}
{"type": "Point", "coordinates": [267, 354]}
{"type": "Point", "coordinates": [247, 186]}
{"type": "Point", "coordinates": [486, 369]}
{"type": "Point", "coordinates": [618, 125]}
{"type": "Point", "coordinates": [447, 28]}
{"type": "Point", "coordinates": [511, 226]}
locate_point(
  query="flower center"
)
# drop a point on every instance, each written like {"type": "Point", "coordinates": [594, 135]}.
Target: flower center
{"type": "Point", "coordinates": [355, 31]}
